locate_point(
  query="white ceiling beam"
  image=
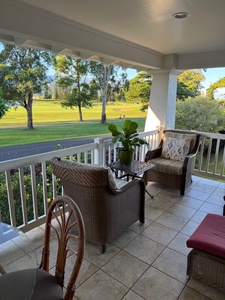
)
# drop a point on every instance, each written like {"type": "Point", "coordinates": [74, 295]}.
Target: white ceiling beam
{"type": "Point", "coordinates": [19, 41]}
{"type": "Point", "coordinates": [38, 45]}
{"type": "Point", "coordinates": [56, 50]}
{"type": "Point", "coordinates": [6, 38]}
{"type": "Point", "coordinates": [50, 29]}
{"type": "Point", "coordinates": [71, 52]}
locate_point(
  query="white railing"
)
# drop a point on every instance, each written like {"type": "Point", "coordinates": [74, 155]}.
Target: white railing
{"type": "Point", "coordinates": [27, 184]}
{"type": "Point", "coordinates": [210, 160]}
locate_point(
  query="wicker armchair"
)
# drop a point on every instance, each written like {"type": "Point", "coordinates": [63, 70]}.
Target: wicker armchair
{"type": "Point", "coordinates": [173, 159]}
{"type": "Point", "coordinates": [107, 209]}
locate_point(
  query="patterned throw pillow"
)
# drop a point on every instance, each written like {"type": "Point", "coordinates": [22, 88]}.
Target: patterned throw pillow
{"type": "Point", "coordinates": [176, 148]}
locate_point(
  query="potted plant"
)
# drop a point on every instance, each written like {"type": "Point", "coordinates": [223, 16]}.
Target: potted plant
{"type": "Point", "coordinates": [128, 137]}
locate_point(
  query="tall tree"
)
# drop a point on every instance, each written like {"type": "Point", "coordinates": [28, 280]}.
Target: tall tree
{"type": "Point", "coordinates": [72, 73]}
{"type": "Point", "coordinates": [192, 80]}
{"type": "Point", "coordinates": [23, 73]}
{"type": "Point", "coordinates": [183, 91]}
{"type": "Point", "coordinates": [3, 107]}
{"type": "Point", "coordinates": [102, 75]}
{"type": "Point", "coordinates": [139, 89]}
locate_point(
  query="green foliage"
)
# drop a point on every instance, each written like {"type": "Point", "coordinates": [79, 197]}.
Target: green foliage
{"type": "Point", "coordinates": [213, 87]}
{"type": "Point", "coordinates": [23, 73]}
{"type": "Point", "coordinates": [14, 176]}
{"type": "Point", "coordinates": [71, 74]}
{"type": "Point", "coordinates": [192, 80]}
{"type": "Point", "coordinates": [200, 114]}
{"type": "Point", "coordinates": [139, 89]}
{"type": "Point", "coordinates": [183, 92]}
{"type": "Point", "coordinates": [3, 107]}
{"type": "Point", "coordinates": [128, 135]}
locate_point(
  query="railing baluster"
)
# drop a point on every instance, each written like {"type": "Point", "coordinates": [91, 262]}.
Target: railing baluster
{"type": "Point", "coordinates": [216, 156]}
{"type": "Point", "coordinates": [10, 198]}
{"type": "Point", "coordinates": [23, 195]}
{"type": "Point", "coordinates": [45, 186]}
{"type": "Point", "coordinates": [34, 191]}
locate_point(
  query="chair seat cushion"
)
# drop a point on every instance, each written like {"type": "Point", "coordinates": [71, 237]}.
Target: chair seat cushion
{"type": "Point", "coordinates": [209, 236]}
{"type": "Point", "coordinates": [168, 166]}
{"type": "Point", "coordinates": [34, 284]}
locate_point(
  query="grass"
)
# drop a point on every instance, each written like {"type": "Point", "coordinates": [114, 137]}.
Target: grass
{"type": "Point", "coordinates": [52, 122]}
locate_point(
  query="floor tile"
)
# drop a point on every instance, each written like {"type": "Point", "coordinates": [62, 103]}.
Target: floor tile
{"type": "Point", "coordinates": [93, 254]}
{"type": "Point", "coordinates": [173, 264]}
{"type": "Point", "coordinates": [159, 233]}
{"type": "Point", "coordinates": [160, 203]}
{"type": "Point", "coordinates": [204, 188]}
{"type": "Point", "coordinates": [125, 268]}
{"type": "Point", "coordinates": [123, 239]}
{"type": "Point", "coordinates": [179, 244]}
{"type": "Point", "coordinates": [101, 286]}
{"type": "Point", "coordinates": [211, 208]}
{"type": "Point", "coordinates": [152, 213]}
{"type": "Point", "coordinates": [147, 261]}
{"type": "Point", "coordinates": [191, 202]}
{"type": "Point", "coordinates": [209, 182]}
{"type": "Point", "coordinates": [206, 290]}
{"type": "Point", "coordinates": [189, 293]}
{"type": "Point", "coordinates": [132, 296]}
{"type": "Point", "coordinates": [181, 211]}
{"type": "Point", "coordinates": [199, 195]}
{"type": "Point", "coordinates": [172, 221]}
{"type": "Point", "coordinates": [139, 227]}
{"type": "Point", "coordinates": [167, 195]}
{"type": "Point", "coordinates": [156, 285]}
{"type": "Point", "coordinates": [189, 228]}
{"type": "Point", "coordinates": [144, 249]}
{"type": "Point", "coordinates": [198, 216]}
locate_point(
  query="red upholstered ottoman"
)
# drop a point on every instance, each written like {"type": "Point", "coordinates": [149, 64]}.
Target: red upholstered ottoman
{"type": "Point", "coordinates": [206, 262]}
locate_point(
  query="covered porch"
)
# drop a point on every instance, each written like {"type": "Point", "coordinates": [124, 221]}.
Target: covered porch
{"type": "Point", "coordinates": [148, 261]}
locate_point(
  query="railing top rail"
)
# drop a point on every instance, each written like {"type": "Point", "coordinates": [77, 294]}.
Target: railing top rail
{"type": "Point", "coordinates": [220, 136]}
{"type": "Point", "coordinates": [32, 159]}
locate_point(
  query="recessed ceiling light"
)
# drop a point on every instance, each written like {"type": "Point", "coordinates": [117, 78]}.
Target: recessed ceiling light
{"type": "Point", "coordinates": [180, 15]}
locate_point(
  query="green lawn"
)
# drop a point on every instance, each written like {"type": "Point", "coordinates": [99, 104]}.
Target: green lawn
{"type": "Point", "coordinates": [52, 122]}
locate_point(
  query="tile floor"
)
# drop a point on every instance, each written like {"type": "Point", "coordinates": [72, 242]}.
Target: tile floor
{"type": "Point", "coordinates": [149, 261]}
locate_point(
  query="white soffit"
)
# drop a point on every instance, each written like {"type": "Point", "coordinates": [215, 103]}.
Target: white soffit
{"type": "Point", "coordinates": [136, 33]}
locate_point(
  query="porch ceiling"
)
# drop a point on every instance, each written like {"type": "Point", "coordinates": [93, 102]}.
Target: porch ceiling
{"type": "Point", "coordinates": [132, 33]}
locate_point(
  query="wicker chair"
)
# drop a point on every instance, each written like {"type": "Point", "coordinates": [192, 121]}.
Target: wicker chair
{"type": "Point", "coordinates": [173, 170]}
{"type": "Point", "coordinates": [39, 281]}
{"type": "Point", "coordinates": [107, 209]}
{"type": "Point", "coordinates": [206, 261]}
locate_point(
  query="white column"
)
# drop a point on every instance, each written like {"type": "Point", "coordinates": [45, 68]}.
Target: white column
{"type": "Point", "coordinates": [162, 103]}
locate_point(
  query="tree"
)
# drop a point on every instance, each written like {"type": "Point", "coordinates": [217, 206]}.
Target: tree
{"type": "Point", "coordinates": [216, 85]}
{"type": "Point", "coordinates": [183, 92]}
{"type": "Point", "coordinates": [200, 114]}
{"type": "Point", "coordinates": [192, 80]}
{"type": "Point", "coordinates": [23, 73]}
{"type": "Point", "coordinates": [3, 107]}
{"type": "Point", "coordinates": [139, 89]}
{"type": "Point", "coordinates": [102, 75]}
{"type": "Point", "coordinates": [71, 73]}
